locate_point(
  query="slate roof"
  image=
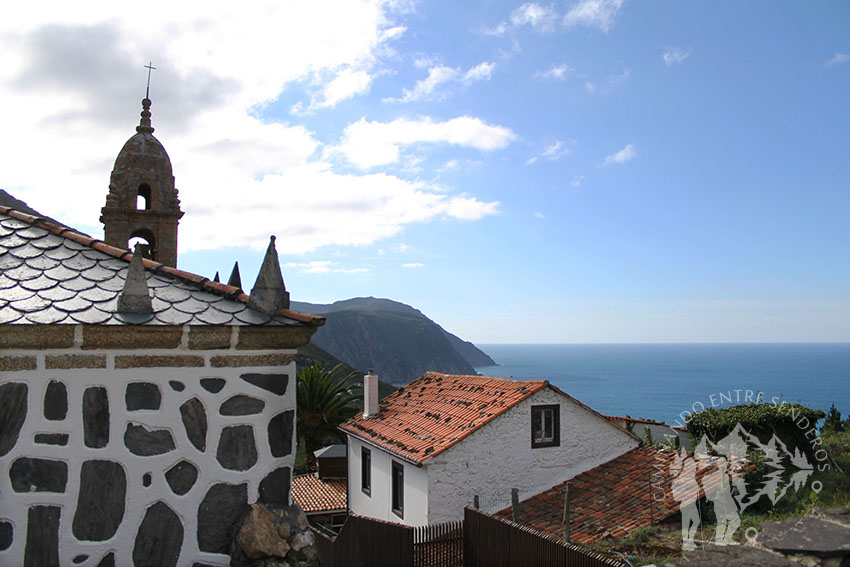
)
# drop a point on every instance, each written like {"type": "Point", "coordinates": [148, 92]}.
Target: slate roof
{"type": "Point", "coordinates": [615, 498]}
{"type": "Point", "coordinates": [51, 274]}
{"type": "Point", "coordinates": [315, 496]}
{"type": "Point", "coordinates": [434, 412]}
{"type": "Point", "coordinates": [625, 418]}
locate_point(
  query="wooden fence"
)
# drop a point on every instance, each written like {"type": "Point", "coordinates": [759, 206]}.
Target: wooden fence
{"type": "Point", "coordinates": [480, 540]}
{"type": "Point", "coordinates": [490, 541]}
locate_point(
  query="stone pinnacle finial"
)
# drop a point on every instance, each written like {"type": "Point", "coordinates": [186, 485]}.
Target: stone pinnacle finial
{"type": "Point", "coordinates": [235, 279]}
{"type": "Point", "coordinates": [135, 297]}
{"type": "Point", "coordinates": [269, 294]}
{"type": "Point", "coordinates": [144, 126]}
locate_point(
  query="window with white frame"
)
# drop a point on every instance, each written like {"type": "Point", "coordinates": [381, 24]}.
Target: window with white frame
{"type": "Point", "coordinates": [545, 426]}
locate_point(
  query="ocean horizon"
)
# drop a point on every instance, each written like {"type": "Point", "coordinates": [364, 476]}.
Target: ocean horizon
{"type": "Point", "coordinates": [662, 380]}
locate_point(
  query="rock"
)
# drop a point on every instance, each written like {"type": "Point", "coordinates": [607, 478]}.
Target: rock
{"type": "Point", "coordinates": [236, 448]}
{"type": "Point", "coordinates": [284, 530]}
{"type": "Point", "coordinates": [100, 503]}
{"type": "Point", "coordinates": [95, 417]}
{"type": "Point", "coordinates": [213, 385]}
{"type": "Point", "coordinates": [38, 475]}
{"type": "Point", "coordinates": [176, 385]}
{"type": "Point", "coordinates": [142, 396]}
{"type": "Point", "coordinates": [181, 477]}
{"type": "Point", "coordinates": [107, 561]}
{"type": "Point", "coordinates": [274, 489]}
{"type": "Point", "coordinates": [144, 443]}
{"type": "Point", "coordinates": [242, 405]}
{"type": "Point", "coordinates": [42, 547]}
{"type": "Point", "coordinates": [807, 536]}
{"type": "Point", "coordinates": [51, 438]}
{"type": "Point", "coordinates": [7, 535]}
{"type": "Point", "coordinates": [195, 421]}
{"type": "Point", "coordinates": [732, 556]}
{"type": "Point", "coordinates": [258, 537]}
{"type": "Point", "coordinates": [80, 558]}
{"type": "Point", "coordinates": [159, 538]}
{"type": "Point", "coordinates": [146, 479]}
{"type": "Point", "coordinates": [221, 509]}
{"type": "Point", "coordinates": [280, 431]}
{"type": "Point", "coordinates": [13, 400]}
{"type": "Point", "coordinates": [274, 383]}
{"type": "Point", "coordinates": [55, 401]}
{"type": "Point", "coordinates": [302, 540]}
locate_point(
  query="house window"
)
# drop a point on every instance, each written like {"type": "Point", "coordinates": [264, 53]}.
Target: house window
{"type": "Point", "coordinates": [366, 470]}
{"type": "Point", "coordinates": [545, 426]}
{"type": "Point", "coordinates": [398, 490]}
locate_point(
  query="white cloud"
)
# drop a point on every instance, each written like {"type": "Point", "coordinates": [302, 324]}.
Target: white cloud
{"type": "Point", "coordinates": [625, 155]}
{"type": "Point", "coordinates": [539, 215]}
{"type": "Point", "coordinates": [413, 265]}
{"type": "Point", "coordinates": [370, 144]}
{"type": "Point", "coordinates": [429, 88]}
{"type": "Point", "coordinates": [554, 73]}
{"type": "Point", "coordinates": [593, 13]}
{"type": "Point", "coordinates": [674, 55]}
{"type": "Point", "coordinates": [577, 181]}
{"type": "Point", "coordinates": [553, 152]}
{"type": "Point", "coordinates": [481, 72]}
{"type": "Point", "coordinates": [838, 59]}
{"type": "Point", "coordinates": [74, 75]}
{"type": "Point", "coordinates": [497, 31]}
{"type": "Point", "coordinates": [322, 267]}
{"type": "Point", "coordinates": [540, 18]}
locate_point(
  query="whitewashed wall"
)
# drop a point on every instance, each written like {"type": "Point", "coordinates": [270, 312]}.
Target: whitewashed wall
{"type": "Point", "coordinates": [14, 505]}
{"type": "Point", "coordinates": [379, 504]}
{"type": "Point", "coordinates": [498, 457]}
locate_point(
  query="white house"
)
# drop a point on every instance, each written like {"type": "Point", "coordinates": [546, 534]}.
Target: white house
{"type": "Point", "coordinates": [430, 448]}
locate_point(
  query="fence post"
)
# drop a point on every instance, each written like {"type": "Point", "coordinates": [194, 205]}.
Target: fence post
{"type": "Point", "coordinates": [475, 502]}
{"type": "Point", "coordinates": [515, 504]}
{"type": "Point", "coordinates": [567, 489]}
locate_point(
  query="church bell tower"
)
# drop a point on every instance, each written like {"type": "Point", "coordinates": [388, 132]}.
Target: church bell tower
{"type": "Point", "coordinates": [142, 202]}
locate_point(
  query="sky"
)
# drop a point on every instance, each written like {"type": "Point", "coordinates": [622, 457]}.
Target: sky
{"type": "Point", "coordinates": [574, 171]}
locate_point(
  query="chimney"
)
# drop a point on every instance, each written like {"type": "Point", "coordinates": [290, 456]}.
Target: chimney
{"type": "Point", "coordinates": [370, 395]}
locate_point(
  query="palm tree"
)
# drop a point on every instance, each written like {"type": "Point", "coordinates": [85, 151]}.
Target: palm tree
{"type": "Point", "coordinates": [326, 398]}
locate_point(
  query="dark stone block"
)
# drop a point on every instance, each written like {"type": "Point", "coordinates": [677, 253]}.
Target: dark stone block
{"type": "Point", "coordinates": [107, 561]}
{"type": "Point", "coordinates": [176, 386]}
{"type": "Point", "coordinates": [213, 385]}
{"type": "Point", "coordinates": [236, 448]}
{"type": "Point", "coordinates": [100, 504]}
{"type": "Point", "coordinates": [181, 477]}
{"type": "Point", "coordinates": [13, 400]}
{"type": "Point", "coordinates": [159, 538]}
{"type": "Point", "coordinates": [195, 422]}
{"type": "Point", "coordinates": [42, 549]}
{"type": "Point", "coordinates": [242, 405]}
{"type": "Point", "coordinates": [56, 401]}
{"type": "Point", "coordinates": [38, 475]}
{"type": "Point", "coordinates": [280, 433]}
{"type": "Point", "coordinates": [274, 383]}
{"type": "Point", "coordinates": [7, 535]}
{"type": "Point", "coordinates": [274, 489]}
{"type": "Point", "coordinates": [146, 443]}
{"type": "Point", "coordinates": [220, 511]}
{"type": "Point", "coordinates": [807, 536]}
{"type": "Point", "coordinates": [95, 417]}
{"type": "Point", "coordinates": [146, 479]}
{"type": "Point", "coordinates": [80, 558]}
{"type": "Point", "coordinates": [142, 396]}
{"type": "Point", "coordinates": [51, 438]}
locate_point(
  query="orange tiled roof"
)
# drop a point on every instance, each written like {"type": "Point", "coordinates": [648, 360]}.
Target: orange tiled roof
{"type": "Point", "coordinates": [314, 495]}
{"type": "Point", "coordinates": [431, 414]}
{"type": "Point", "coordinates": [625, 418]}
{"type": "Point", "coordinates": [615, 498]}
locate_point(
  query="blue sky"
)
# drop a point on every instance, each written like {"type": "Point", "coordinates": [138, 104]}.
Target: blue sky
{"type": "Point", "coordinates": [581, 171]}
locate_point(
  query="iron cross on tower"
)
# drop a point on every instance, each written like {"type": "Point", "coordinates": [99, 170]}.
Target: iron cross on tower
{"type": "Point", "coordinates": [150, 68]}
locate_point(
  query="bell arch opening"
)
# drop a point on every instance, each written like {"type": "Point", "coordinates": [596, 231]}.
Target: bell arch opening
{"type": "Point", "coordinates": [146, 238]}
{"type": "Point", "coordinates": [143, 197]}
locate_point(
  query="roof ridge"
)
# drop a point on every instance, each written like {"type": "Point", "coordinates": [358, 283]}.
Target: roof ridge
{"type": "Point", "coordinates": [205, 284]}
{"type": "Point", "coordinates": [481, 377]}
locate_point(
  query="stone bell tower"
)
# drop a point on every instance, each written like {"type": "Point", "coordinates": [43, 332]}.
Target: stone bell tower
{"type": "Point", "coordinates": [142, 201]}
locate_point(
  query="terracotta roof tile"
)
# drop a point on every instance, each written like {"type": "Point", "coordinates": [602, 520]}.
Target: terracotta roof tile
{"type": "Point", "coordinates": [615, 498]}
{"type": "Point", "coordinates": [52, 274]}
{"type": "Point", "coordinates": [434, 412]}
{"type": "Point", "coordinates": [314, 495]}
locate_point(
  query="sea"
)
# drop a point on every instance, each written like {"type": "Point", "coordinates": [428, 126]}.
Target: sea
{"type": "Point", "coordinates": [665, 381]}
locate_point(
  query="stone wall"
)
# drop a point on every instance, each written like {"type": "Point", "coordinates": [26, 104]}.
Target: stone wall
{"type": "Point", "coordinates": [117, 456]}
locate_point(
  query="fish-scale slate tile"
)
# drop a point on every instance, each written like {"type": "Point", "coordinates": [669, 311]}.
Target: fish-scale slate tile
{"type": "Point", "coordinates": [91, 316]}
{"type": "Point", "coordinates": [173, 317]}
{"type": "Point", "coordinates": [49, 316]}
{"type": "Point", "coordinates": [212, 316]}
{"type": "Point", "coordinates": [80, 263]}
{"type": "Point", "coordinates": [26, 251]}
{"type": "Point", "coordinates": [60, 252]}
{"type": "Point", "coordinates": [57, 293]}
{"type": "Point", "coordinates": [30, 305]}
{"type": "Point", "coordinates": [9, 315]}
{"type": "Point", "coordinates": [21, 272]}
{"type": "Point", "coordinates": [115, 283]}
{"type": "Point", "coordinates": [59, 272]}
{"type": "Point", "coordinates": [42, 262]}
{"type": "Point", "coordinates": [77, 283]}
{"type": "Point", "coordinates": [97, 294]}
{"type": "Point", "coordinates": [6, 283]}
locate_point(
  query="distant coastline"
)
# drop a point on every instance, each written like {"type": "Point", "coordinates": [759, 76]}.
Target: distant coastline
{"type": "Point", "coordinates": [661, 380]}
